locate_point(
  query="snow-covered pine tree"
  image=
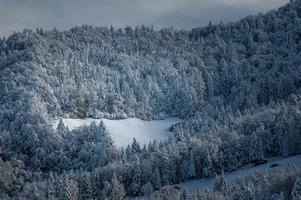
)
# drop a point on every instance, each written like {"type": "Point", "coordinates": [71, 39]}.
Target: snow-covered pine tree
{"type": "Point", "coordinates": [221, 184]}
{"type": "Point", "coordinates": [135, 185]}
{"type": "Point", "coordinates": [191, 165]}
{"type": "Point", "coordinates": [277, 196]}
{"type": "Point", "coordinates": [164, 168]}
{"type": "Point", "coordinates": [117, 190]}
{"type": "Point", "coordinates": [208, 170]}
{"type": "Point", "coordinates": [65, 188]}
{"type": "Point", "coordinates": [135, 146]}
{"type": "Point", "coordinates": [296, 190]}
{"type": "Point", "coordinates": [156, 180]}
{"type": "Point", "coordinates": [256, 151]}
{"type": "Point", "coordinates": [85, 189]}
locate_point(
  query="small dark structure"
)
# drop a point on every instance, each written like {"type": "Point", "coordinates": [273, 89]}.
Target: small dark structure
{"type": "Point", "coordinates": [273, 165]}
{"type": "Point", "coordinates": [258, 162]}
{"type": "Point", "coordinates": [4, 157]}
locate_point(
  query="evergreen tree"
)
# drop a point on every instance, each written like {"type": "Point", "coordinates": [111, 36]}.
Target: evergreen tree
{"type": "Point", "coordinates": [165, 169]}
{"type": "Point", "coordinates": [191, 167]}
{"type": "Point", "coordinates": [61, 127]}
{"type": "Point", "coordinates": [85, 189]}
{"type": "Point", "coordinates": [296, 190]}
{"type": "Point", "coordinates": [65, 188]}
{"type": "Point", "coordinates": [277, 196]}
{"type": "Point", "coordinates": [184, 195]}
{"type": "Point", "coordinates": [105, 191]}
{"type": "Point", "coordinates": [147, 189]}
{"type": "Point", "coordinates": [247, 191]}
{"type": "Point", "coordinates": [128, 152]}
{"type": "Point", "coordinates": [135, 185]}
{"type": "Point", "coordinates": [50, 192]}
{"type": "Point", "coordinates": [135, 146]}
{"type": "Point", "coordinates": [123, 155]}
{"type": "Point", "coordinates": [117, 189]}
{"type": "Point", "coordinates": [221, 184]}
{"type": "Point", "coordinates": [156, 180]}
{"type": "Point", "coordinates": [208, 170]}
{"type": "Point", "coordinates": [256, 151]}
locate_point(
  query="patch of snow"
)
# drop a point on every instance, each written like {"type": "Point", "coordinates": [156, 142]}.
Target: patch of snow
{"type": "Point", "coordinates": [282, 163]}
{"type": "Point", "coordinates": [123, 131]}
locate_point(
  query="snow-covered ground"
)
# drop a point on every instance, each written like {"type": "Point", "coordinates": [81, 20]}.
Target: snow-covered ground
{"type": "Point", "coordinates": [282, 163]}
{"type": "Point", "coordinates": [124, 130]}
{"type": "Point", "coordinates": [195, 185]}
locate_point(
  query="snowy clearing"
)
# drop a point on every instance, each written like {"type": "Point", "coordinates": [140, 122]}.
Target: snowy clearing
{"type": "Point", "coordinates": [124, 130]}
{"type": "Point", "coordinates": [247, 170]}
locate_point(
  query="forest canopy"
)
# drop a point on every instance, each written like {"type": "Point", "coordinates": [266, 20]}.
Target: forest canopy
{"type": "Point", "coordinates": [236, 86]}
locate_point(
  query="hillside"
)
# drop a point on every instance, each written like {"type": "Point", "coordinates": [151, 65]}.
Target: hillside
{"type": "Point", "coordinates": [274, 168]}
{"type": "Point", "coordinates": [237, 87]}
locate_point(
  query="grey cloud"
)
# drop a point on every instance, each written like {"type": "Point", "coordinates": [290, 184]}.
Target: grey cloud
{"type": "Point", "coordinates": [63, 14]}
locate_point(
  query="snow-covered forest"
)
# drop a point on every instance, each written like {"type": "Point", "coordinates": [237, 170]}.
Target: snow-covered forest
{"type": "Point", "coordinates": [236, 87]}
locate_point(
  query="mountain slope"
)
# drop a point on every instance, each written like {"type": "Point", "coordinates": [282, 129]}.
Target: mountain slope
{"type": "Point", "coordinates": [237, 87]}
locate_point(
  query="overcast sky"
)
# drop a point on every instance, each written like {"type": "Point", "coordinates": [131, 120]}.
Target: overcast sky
{"type": "Point", "coordinates": [63, 14]}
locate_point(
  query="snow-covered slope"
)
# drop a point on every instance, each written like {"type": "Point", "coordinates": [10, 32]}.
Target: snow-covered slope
{"type": "Point", "coordinates": [124, 130]}
{"type": "Point", "coordinates": [281, 162]}
{"type": "Point", "coordinates": [195, 185]}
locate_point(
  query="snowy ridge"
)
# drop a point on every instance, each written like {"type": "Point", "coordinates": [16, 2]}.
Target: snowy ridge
{"type": "Point", "coordinates": [282, 163]}
{"type": "Point", "coordinates": [124, 130]}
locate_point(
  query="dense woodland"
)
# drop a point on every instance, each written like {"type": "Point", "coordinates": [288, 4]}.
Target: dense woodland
{"type": "Point", "coordinates": [236, 85]}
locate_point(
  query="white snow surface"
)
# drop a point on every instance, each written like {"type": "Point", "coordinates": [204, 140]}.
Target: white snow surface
{"type": "Point", "coordinates": [282, 163]}
{"type": "Point", "coordinates": [195, 185]}
{"type": "Point", "coordinates": [123, 131]}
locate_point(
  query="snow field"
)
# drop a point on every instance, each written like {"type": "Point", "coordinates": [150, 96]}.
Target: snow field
{"type": "Point", "coordinates": [123, 131]}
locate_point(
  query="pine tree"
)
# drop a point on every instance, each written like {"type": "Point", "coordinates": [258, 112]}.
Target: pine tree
{"type": "Point", "coordinates": [208, 170]}
{"type": "Point", "coordinates": [147, 189]}
{"type": "Point", "coordinates": [191, 166]}
{"type": "Point", "coordinates": [61, 127]}
{"type": "Point", "coordinates": [128, 152]}
{"type": "Point", "coordinates": [165, 169]}
{"type": "Point", "coordinates": [105, 191]}
{"type": "Point", "coordinates": [135, 185]}
{"type": "Point", "coordinates": [296, 190]}
{"type": "Point", "coordinates": [221, 184]}
{"type": "Point", "coordinates": [256, 151]}
{"type": "Point", "coordinates": [285, 149]}
{"type": "Point", "coordinates": [135, 146]}
{"type": "Point", "coordinates": [85, 190]}
{"type": "Point", "coordinates": [230, 155]}
{"type": "Point", "coordinates": [123, 155]}
{"type": "Point", "coordinates": [203, 194]}
{"type": "Point", "coordinates": [36, 193]}
{"type": "Point", "coordinates": [282, 126]}
{"type": "Point", "coordinates": [247, 191]}
{"type": "Point", "coordinates": [277, 196]}
{"type": "Point", "coordinates": [117, 189]}
{"type": "Point", "coordinates": [50, 193]}
{"type": "Point", "coordinates": [156, 180]}
{"type": "Point", "coordinates": [65, 188]}
{"type": "Point", "coordinates": [184, 195]}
